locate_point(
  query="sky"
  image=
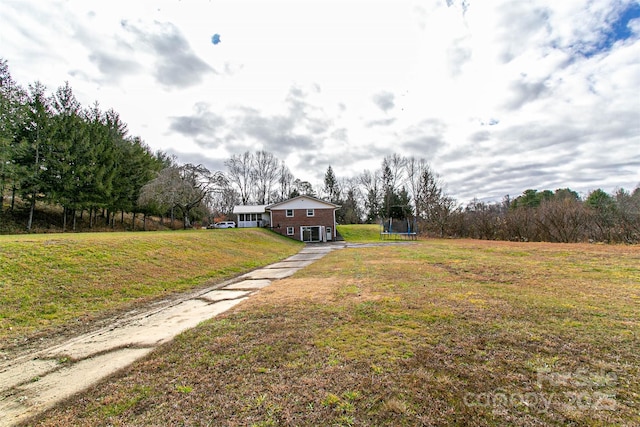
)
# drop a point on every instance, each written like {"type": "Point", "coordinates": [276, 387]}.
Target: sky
{"type": "Point", "coordinates": [499, 96]}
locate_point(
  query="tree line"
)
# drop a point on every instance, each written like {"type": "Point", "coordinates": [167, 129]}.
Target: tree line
{"type": "Point", "coordinates": [406, 188]}
{"type": "Point", "coordinates": [559, 216]}
{"type": "Point", "coordinates": [55, 151]}
{"type": "Point", "coordinates": [83, 160]}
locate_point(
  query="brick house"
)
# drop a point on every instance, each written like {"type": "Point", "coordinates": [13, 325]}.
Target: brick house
{"type": "Point", "coordinates": [304, 218]}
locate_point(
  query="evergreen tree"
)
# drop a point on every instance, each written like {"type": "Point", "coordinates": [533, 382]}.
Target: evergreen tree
{"type": "Point", "coordinates": [98, 186]}
{"type": "Point", "coordinates": [350, 210]}
{"type": "Point", "coordinates": [12, 118]}
{"type": "Point", "coordinates": [603, 209]}
{"type": "Point", "coordinates": [35, 145]}
{"type": "Point", "coordinates": [331, 187]}
{"type": "Point", "coordinates": [68, 165]}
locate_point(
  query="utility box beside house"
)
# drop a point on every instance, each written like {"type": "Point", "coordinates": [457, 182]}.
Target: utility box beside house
{"type": "Point", "coordinates": [304, 218]}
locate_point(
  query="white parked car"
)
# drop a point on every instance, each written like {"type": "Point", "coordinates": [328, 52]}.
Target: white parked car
{"type": "Point", "coordinates": [225, 224]}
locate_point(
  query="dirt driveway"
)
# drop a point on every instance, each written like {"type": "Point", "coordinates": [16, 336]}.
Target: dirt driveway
{"type": "Point", "coordinates": [34, 380]}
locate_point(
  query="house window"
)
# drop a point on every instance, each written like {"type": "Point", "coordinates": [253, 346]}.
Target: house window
{"type": "Point", "coordinates": [310, 212]}
{"type": "Point", "coordinates": [289, 231]}
{"type": "Point", "coordinates": [241, 217]}
{"type": "Point", "coordinates": [289, 213]}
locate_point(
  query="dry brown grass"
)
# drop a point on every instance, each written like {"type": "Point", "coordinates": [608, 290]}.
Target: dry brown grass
{"type": "Point", "coordinates": [435, 333]}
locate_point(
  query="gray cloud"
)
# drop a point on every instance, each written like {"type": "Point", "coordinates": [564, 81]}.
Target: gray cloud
{"type": "Point", "coordinates": [206, 128]}
{"type": "Point", "coordinates": [348, 159]}
{"type": "Point", "coordinates": [384, 100]}
{"type": "Point", "coordinates": [456, 154]}
{"type": "Point", "coordinates": [113, 66]}
{"type": "Point", "coordinates": [204, 124]}
{"type": "Point", "coordinates": [523, 92]}
{"type": "Point", "coordinates": [276, 132]}
{"type": "Point", "coordinates": [381, 122]}
{"type": "Point", "coordinates": [480, 136]}
{"type": "Point", "coordinates": [572, 120]}
{"type": "Point", "coordinates": [536, 136]}
{"type": "Point", "coordinates": [302, 128]}
{"type": "Point", "coordinates": [420, 14]}
{"type": "Point", "coordinates": [341, 134]}
{"type": "Point", "coordinates": [176, 64]}
{"type": "Point", "coordinates": [423, 146]}
{"type": "Point", "coordinates": [512, 166]}
{"type": "Point", "coordinates": [114, 58]}
{"type": "Point", "coordinates": [305, 114]}
{"type": "Point", "coordinates": [458, 54]}
{"type": "Point", "coordinates": [521, 24]}
{"type": "Point", "coordinates": [425, 138]}
{"type": "Point", "coordinates": [499, 177]}
{"type": "Point", "coordinates": [199, 159]}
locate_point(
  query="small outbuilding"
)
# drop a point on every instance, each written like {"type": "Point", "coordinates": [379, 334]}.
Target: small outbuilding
{"type": "Point", "coordinates": [251, 216]}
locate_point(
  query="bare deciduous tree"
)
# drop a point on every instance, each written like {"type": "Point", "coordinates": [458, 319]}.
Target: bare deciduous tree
{"type": "Point", "coordinates": [562, 220]}
{"type": "Point", "coordinates": [628, 215]}
{"type": "Point", "coordinates": [265, 172]}
{"type": "Point", "coordinates": [285, 183]}
{"type": "Point", "coordinates": [239, 172]}
{"type": "Point", "coordinates": [183, 187]}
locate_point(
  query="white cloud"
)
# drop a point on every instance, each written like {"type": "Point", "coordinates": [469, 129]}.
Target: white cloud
{"type": "Point", "coordinates": [499, 96]}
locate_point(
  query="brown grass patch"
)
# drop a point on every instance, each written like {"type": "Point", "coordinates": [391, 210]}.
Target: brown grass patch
{"type": "Point", "coordinates": [438, 333]}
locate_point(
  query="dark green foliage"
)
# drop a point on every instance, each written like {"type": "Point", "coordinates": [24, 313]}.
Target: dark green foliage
{"type": "Point", "coordinates": [350, 212]}
{"type": "Point", "coordinates": [331, 187]}
{"type": "Point", "coordinates": [531, 198]}
{"type": "Point", "coordinates": [55, 151]}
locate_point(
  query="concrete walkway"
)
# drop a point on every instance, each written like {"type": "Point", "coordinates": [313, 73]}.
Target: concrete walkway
{"type": "Point", "coordinates": [32, 383]}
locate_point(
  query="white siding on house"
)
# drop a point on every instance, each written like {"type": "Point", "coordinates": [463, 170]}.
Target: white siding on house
{"type": "Point", "coordinates": [301, 203]}
{"type": "Point", "coordinates": [252, 216]}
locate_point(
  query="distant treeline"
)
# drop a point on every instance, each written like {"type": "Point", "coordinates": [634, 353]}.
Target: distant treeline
{"type": "Point", "coordinates": [409, 191]}
{"type": "Point", "coordinates": [559, 216]}
{"type": "Point", "coordinates": [54, 151]}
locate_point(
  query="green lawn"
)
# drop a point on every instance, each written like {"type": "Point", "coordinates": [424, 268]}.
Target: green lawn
{"type": "Point", "coordinates": [362, 233]}
{"type": "Point", "coordinates": [49, 280]}
{"type": "Point", "coordinates": [434, 332]}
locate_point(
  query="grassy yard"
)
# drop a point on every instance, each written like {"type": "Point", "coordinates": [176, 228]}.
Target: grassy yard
{"type": "Point", "coordinates": [435, 332]}
{"type": "Point", "coordinates": [364, 233]}
{"type": "Point", "coordinates": [49, 281]}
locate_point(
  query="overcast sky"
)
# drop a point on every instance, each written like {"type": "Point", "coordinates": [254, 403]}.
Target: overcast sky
{"type": "Point", "coordinates": [499, 96]}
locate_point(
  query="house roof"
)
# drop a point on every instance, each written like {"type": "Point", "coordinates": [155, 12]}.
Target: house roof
{"type": "Point", "coordinates": [249, 209]}
{"type": "Point", "coordinates": [303, 202]}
